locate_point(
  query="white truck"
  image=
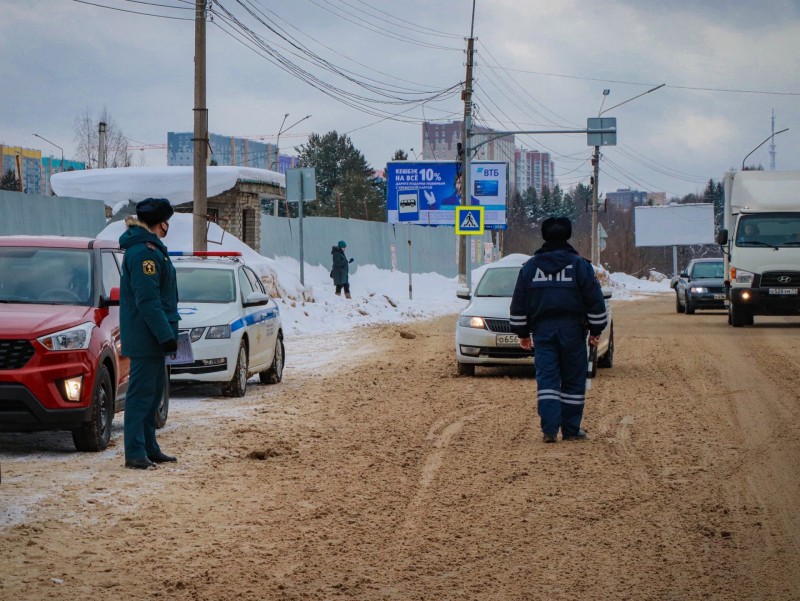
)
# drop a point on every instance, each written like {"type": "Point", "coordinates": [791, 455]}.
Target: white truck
{"type": "Point", "coordinates": [761, 244]}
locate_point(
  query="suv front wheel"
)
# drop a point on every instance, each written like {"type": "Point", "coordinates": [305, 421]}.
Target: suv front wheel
{"type": "Point", "coordinates": [95, 434]}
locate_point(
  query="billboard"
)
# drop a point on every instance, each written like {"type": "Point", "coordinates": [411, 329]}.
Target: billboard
{"type": "Point", "coordinates": [427, 192]}
{"type": "Point", "coordinates": [674, 225]}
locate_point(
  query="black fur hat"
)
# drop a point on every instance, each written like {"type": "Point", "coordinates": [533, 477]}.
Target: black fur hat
{"type": "Point", "coordinates": [154, 210]}
{"type": "Point", "coordinates": [556, 229]}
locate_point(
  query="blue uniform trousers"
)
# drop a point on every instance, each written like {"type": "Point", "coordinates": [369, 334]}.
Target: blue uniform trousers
{"type": "Point", "coordinates": [145, 390]}
{"type": "Point", "coordinates": [561, 363]}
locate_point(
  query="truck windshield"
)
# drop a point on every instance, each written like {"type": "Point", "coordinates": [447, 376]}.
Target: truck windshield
{"type": "Point", "coordinates": [769, 229]}
{"type": "Point", "coordinates": [48, 276]}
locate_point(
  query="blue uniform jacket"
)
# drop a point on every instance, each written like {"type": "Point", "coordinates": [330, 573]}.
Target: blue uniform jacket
{"type": "Point", "coordinates": [557, 287]}
{"type": "Point", "coordinates": [148, 294]}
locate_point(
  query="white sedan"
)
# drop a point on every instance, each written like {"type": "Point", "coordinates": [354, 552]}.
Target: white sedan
{"type": "Point", "coordinates": [483, 332]}
{"type": "Point", "coordinates": [234, 326]}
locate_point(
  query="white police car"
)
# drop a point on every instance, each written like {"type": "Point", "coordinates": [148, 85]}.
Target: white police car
{"type": "Point", "coordinates": [483, 330]}
{"type": "Point", "coordinates": [234, 326]}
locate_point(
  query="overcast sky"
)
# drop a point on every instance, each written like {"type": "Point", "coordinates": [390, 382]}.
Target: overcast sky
{"type": "Point", "coordinates": [540, 65]}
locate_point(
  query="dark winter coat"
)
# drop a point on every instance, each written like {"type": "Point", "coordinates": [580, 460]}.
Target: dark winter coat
{"type": "Point", "coordinates": [341, 269]}
{"type": "Point", "coordinates": [557, 287]}
{"type": "Point", "coordinates": [148, 300]}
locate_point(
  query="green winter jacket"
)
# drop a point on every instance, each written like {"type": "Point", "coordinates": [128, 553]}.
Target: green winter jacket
{"type": "Point", "coordinates": [148, 300]}
{"type": "Point", "coordinates": [341, 270]}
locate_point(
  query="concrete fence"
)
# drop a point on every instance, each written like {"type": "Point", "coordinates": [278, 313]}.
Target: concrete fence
{"type": "Point", "coordinates": [433, 249]}
{"type": "Point", "coordinates": [36, 215]}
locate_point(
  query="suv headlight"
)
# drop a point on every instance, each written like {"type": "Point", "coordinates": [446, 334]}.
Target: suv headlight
{"type": "Point", "coordinates": [73, 339]}
{"type": "Point", "coordinates": [740, 276]}
{"type": "Point", "coordinates": [698, 289]}
{"type": "Point", "coordinates": [472, 321]}
{"type": "Point", "coordinates": [219, 331]}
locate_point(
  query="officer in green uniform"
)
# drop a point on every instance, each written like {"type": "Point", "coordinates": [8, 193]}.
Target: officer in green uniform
{"type": "Point", "coordinates": [148, 326]}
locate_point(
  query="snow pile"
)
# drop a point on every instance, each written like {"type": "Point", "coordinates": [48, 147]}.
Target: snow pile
{"type": "Point", "coordinates": [119, 185]}
{"type": "Point", "coordinates": [379, 295]}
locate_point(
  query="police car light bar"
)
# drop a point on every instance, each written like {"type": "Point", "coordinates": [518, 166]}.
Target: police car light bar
{"type": "Point", "coordinates": [205, 253]}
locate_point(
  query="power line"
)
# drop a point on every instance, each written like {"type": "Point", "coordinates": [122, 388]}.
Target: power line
{"type": "Point", "coordinates": [417, 27]}
{"type": "Point", "coordinates": [134, 12]}
{"type": "Point", "coordinates": [638, 83]}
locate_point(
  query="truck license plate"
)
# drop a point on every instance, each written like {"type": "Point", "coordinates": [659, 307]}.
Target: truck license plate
{"type": "Point", "coordinates": [793, 291]}
{"type": "Point", "coordinates": [507, 340]}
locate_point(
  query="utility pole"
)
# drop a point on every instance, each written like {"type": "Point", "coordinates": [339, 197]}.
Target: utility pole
{"type": "Point", "coordinates": [595, 201]}
{"type": "Point", "coordinates": [772, 145]}
{"type": "Point", "coordinates": [101, 145]}
{"type": "Point", "coordinates": [200, 198]}
{"type": "Point", "coordinates": [463, 269]}
{"type": "Point", "coordinates": [596, 173]}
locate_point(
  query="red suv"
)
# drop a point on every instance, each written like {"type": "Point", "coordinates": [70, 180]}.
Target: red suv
{"type": "Point", "coordinates": [60, 362]}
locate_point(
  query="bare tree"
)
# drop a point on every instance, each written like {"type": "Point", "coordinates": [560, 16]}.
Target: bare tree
{"type": "Point", "coordinates": [87, 140]}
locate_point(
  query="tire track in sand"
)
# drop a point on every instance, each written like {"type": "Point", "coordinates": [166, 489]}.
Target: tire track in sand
{"type": "Point", "coordinates": [440, 435]}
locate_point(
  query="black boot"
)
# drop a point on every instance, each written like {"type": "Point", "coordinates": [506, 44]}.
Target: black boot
{"type": "Point", "coordinates": [161, 458]}
{"type": "Point", "coordinates": [139, 463]}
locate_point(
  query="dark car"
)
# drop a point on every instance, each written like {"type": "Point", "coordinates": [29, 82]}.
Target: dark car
{"type": "Point", "coordinates": [60, 362]}
{"type": "Point", "coordinates": [701, 286]}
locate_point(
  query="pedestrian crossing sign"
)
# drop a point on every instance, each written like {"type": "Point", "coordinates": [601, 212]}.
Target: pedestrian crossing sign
{"type": "Point", "coordinates": [469, 220]}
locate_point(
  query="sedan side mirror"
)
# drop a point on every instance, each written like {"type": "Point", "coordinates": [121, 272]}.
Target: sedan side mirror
{"type": "Point", "coordinates": [256, 298]}
{"type": "Point", "coordinates": [463, 293]}
{"type": "Point", "coordinates": [685, 275]}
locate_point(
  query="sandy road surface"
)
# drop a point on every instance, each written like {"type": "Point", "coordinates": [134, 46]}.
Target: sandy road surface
{"type": "Point", "coordinates": [392, 478]}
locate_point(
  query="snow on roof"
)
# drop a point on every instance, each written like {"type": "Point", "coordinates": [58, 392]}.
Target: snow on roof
{"type": "Point", "coordinates": [137, 183]}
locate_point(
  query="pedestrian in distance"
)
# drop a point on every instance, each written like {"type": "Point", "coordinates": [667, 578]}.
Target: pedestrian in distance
{"type": "Point", "coordinates": [148, 326]}
{"type": "Point", "coordinates": [558, 300]}
{"type": "Point", "coordinates": [340, 272]}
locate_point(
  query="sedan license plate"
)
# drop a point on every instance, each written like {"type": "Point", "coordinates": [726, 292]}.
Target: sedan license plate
{"type": "Point", "coordinates": [719, 297]}
{"type": "Point", "coordinates": [507, 340]}
{"type": "Point", "coordinates": [784, 290]}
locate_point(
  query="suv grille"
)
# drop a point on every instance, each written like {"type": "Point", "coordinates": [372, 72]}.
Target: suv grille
{"type": "Point", "coordinates": [771, 279]}
{"type": "Point", "coordinates": [501, 326]}
{"type": "Point", "coordinates": [14, 354]}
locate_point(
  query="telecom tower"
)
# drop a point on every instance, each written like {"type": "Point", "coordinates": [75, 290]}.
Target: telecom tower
{"type": "Point", "coordinates": [772, 145]}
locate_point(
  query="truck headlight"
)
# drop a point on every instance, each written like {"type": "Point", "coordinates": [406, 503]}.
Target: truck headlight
{"type": "Point", "coordinates": [740, 276]}
{"type": "Point", "coordinates": [219, 331]}
{"type": "Point", "coordinates": [472, 321]}
{"type": "Point", "coordinates": [73, 339]}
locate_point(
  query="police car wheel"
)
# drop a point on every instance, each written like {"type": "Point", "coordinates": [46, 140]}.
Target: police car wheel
{"type": "Point", "coordinates": [274, 374]}
{"type": "Point", "coordinates": [238, 384]}
{"type": "Point", "coordinates": [95, 434]}
{"type": "Point", "coordinates": [607, 360]}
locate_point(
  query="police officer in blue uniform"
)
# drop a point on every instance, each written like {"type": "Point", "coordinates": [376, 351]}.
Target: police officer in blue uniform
{"type": "Point", "coordinates": [557, 299]}
{"type": "Point", "coordinates": [148, 326]}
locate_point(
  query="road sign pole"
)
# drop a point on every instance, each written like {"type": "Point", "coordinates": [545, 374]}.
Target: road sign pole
{"type": "Point", "coordinates": [410, 292]}
{"type": "Point", "coordinates": [300, 221]}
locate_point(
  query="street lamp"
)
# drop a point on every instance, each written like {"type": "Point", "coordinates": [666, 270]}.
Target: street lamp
{"type": "Point", "coordinates": [61, 168]}
{"type": "Point", "coordinates": [277, 161]}
{"type": "Point", "coordinates": [278, 149]}
{"type": "Point", "coordinates": [416, 156]}
{"type": "Point", "coordinates": [596, 174]}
